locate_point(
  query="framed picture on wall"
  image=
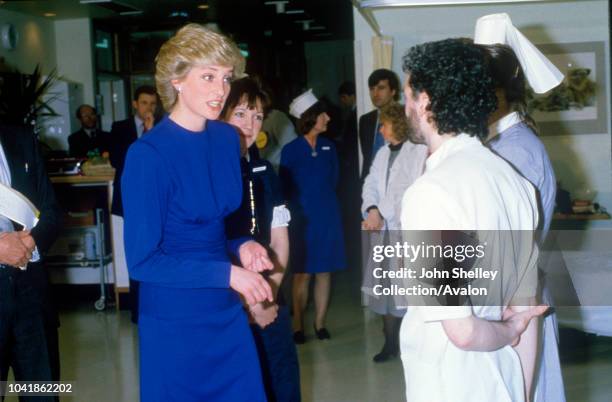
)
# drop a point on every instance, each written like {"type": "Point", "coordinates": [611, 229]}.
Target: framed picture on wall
{"type": "Point", "coordinates": [578, 105]}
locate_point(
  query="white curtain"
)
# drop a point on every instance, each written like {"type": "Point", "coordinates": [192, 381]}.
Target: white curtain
{"type": "Point", "coordinates": [382, 48]}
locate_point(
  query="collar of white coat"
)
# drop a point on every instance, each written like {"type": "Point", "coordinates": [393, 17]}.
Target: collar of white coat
{"type": "Point", "coordinates": [503, 124]}
{"type": "Point", "coordinates": [450, 147]}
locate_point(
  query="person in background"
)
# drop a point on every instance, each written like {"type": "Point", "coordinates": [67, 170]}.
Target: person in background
{"type": "Point", "coordinates": [347, 144]}
{"type": "Point", "coordinates": [396, 166]}
{"type": "Point", "coordinates": [263, 215]}
{"type": "Point", "coordinates": [279, 132]}
{"type": "Point", "coordinates": [28, 317]}
{"type": "Point", "coordinates": [346, 94]}
{"type": "Point", "coordinates": [180, 182]}
{"type": "Point", "coordinates": [513, 136]}
{"type": "Point", "coordinates": [309, 176]}
{"type": "Point", "coordinates": [89, 137]}
{"type": "Point", "coordinates": [384, 88]}
{"type": "Point", "coordinates": [349, 185]}
{"type": "Point", "coordinates": [123, 134]}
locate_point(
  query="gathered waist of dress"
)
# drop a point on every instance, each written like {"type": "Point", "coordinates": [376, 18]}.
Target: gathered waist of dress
{"type": "Point", "coordinates": [176, 303]}
{"type": "Point", "coordinates": [196, 250]}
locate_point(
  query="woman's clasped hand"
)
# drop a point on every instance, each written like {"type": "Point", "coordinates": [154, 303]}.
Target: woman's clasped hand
{"type": "Point", "coordinates": [247, 281]}
{"type": "Point", "coordinates": [254, 257]}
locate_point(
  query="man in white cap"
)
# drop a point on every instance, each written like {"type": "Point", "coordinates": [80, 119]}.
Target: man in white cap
{"type": "Point", "coordinates": [464, 353]}
{"type": "Point", "coordinates": [512, 135]}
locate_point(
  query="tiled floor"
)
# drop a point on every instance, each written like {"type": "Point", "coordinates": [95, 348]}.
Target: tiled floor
{"type": "Point", "coordinates": [99, 353]}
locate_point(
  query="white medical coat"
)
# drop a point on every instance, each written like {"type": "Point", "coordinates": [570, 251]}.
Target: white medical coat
{"type": "Point", "coordinates": [386, 194]}
{"type": "Point", "coordinates": [465, 187]}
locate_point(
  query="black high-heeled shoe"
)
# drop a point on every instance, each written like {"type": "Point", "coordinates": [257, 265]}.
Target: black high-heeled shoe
{"type": "Point", "coordinates": [322, 333]}
{"type": "Point", "coordinates": [385, 354]}
{"type": "Point", "coordinates": [299, 338]}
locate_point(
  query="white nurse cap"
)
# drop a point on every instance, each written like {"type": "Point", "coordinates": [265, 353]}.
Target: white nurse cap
{"type": "Point", "coordinates": [498, 29]}
{"type": "Point", "coordinates": [302, 103]}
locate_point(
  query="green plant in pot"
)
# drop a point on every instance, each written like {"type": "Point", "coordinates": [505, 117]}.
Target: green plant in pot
{"type": "Point", "coordinates": [27, 107]}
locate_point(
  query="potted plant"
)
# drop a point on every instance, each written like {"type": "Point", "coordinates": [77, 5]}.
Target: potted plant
{"type": "Point", "coordinates": [26, 107]}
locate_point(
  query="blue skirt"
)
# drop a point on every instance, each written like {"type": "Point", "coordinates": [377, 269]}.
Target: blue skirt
{"type": "Point", "coordinates": [196, 345]}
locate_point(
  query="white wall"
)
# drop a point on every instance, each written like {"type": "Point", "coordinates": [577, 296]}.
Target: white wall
{"type": "Point", "coordinates": [579, 160]}
{"type": "Point", "coordinates": [36, 42]}
{"type": "Point", "coordinates": [74, 54]}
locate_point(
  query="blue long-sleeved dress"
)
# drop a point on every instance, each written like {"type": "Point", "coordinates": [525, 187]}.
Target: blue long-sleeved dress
{"type": "Point", "coordinates": [520, 146]}
{"type": "Point", "coordinates": [195, 344]}
{"type": "Point", "coordinates": [309, 181]}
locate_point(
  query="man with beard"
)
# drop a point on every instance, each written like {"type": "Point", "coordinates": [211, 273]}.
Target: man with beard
{"type": "Point", "coordinates": [464, 353]}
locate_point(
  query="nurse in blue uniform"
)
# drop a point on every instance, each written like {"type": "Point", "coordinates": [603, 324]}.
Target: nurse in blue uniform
{"type": "Point", "coordinates": [513, 136]}
{"type": "Point", "coordinates": [179, 183]}
{"type": "Point", "coordinates": [263, 215]}
{"type": "Point", "coordinates": [309, 176]}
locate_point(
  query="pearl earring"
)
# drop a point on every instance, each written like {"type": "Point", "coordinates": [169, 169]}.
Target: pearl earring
{"type": "Point", "coordinates": [179, 89]}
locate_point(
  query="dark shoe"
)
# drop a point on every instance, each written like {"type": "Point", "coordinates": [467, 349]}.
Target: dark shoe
{"type": "Point", "coordinates": [299, 338]}
{"type": "Point", "coordinates": [322, 333]}
{"type": "Point", "coordinates": [384, 355]}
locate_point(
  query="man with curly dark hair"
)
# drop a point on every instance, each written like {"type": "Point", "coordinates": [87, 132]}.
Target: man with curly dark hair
{"type": "Point", "coordinates": [454, 77]}
{"type": "Point", "coordinates": [463, 353]}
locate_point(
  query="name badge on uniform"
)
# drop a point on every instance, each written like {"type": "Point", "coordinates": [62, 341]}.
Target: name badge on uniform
{"type": "Point", "coordinates": [325, 148]}
{"type": "Point", "coordinates": [259, 168]}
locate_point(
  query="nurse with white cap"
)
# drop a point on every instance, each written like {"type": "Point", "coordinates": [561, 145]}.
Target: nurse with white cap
{"type": "Point", "coordinates": [512, 135]}
{"type": "Point", "coordinates": [309, 175]}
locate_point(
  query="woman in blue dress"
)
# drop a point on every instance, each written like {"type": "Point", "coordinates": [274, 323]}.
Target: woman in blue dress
{"type": "Point", "coordinates": [309, 176]}
{"type": "Point", "coordinates": [179, 183]}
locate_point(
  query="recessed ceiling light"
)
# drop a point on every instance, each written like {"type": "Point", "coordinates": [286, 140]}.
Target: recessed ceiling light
{"type": "Point", "coordinates": [305, 24]}
{"type": "Point", "coordinates": [279, 4]}
{"type": "Point", "coordinates": [203, 6]}
{"type": "Point", "coordinates": [175, 14]}
{"type": "Point", "coordinates": [294, 11]}
{"type": "Point", "coordinates": [49, 14]}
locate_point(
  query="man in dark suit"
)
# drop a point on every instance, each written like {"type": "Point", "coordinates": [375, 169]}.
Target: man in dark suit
{"type": "Point", "coordinates": [123, 134]}
{"type": "Point", "coordinates": [28, 319]}
{"type": "Point", "coordinates": [349, 188]}
{"type": "Point", "coordinates": [89, 137]}
{"type": "Point", "coordinates": [384, 88]}
{"type": "Point", "coordinates": [347, 150]}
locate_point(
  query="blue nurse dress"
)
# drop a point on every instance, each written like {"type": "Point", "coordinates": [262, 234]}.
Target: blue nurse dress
{"type": "Point", "coordinates": [309, 179]}
{"type": "Point", "coordinates": [520, 146]}
{"type": "Point", "coordinates": [195, 343]}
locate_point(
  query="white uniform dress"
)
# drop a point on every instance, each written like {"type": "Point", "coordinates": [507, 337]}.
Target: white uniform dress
{"type": "Point", "coordinates": [384, 188]}
{"type": "Point", "coordinates": [465, 187]}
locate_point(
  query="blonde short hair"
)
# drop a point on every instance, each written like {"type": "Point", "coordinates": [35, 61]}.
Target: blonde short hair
{"type": "Point", "coordinates": [394, 113]}
{"type": "Point", "coordinates": [193, 45]}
